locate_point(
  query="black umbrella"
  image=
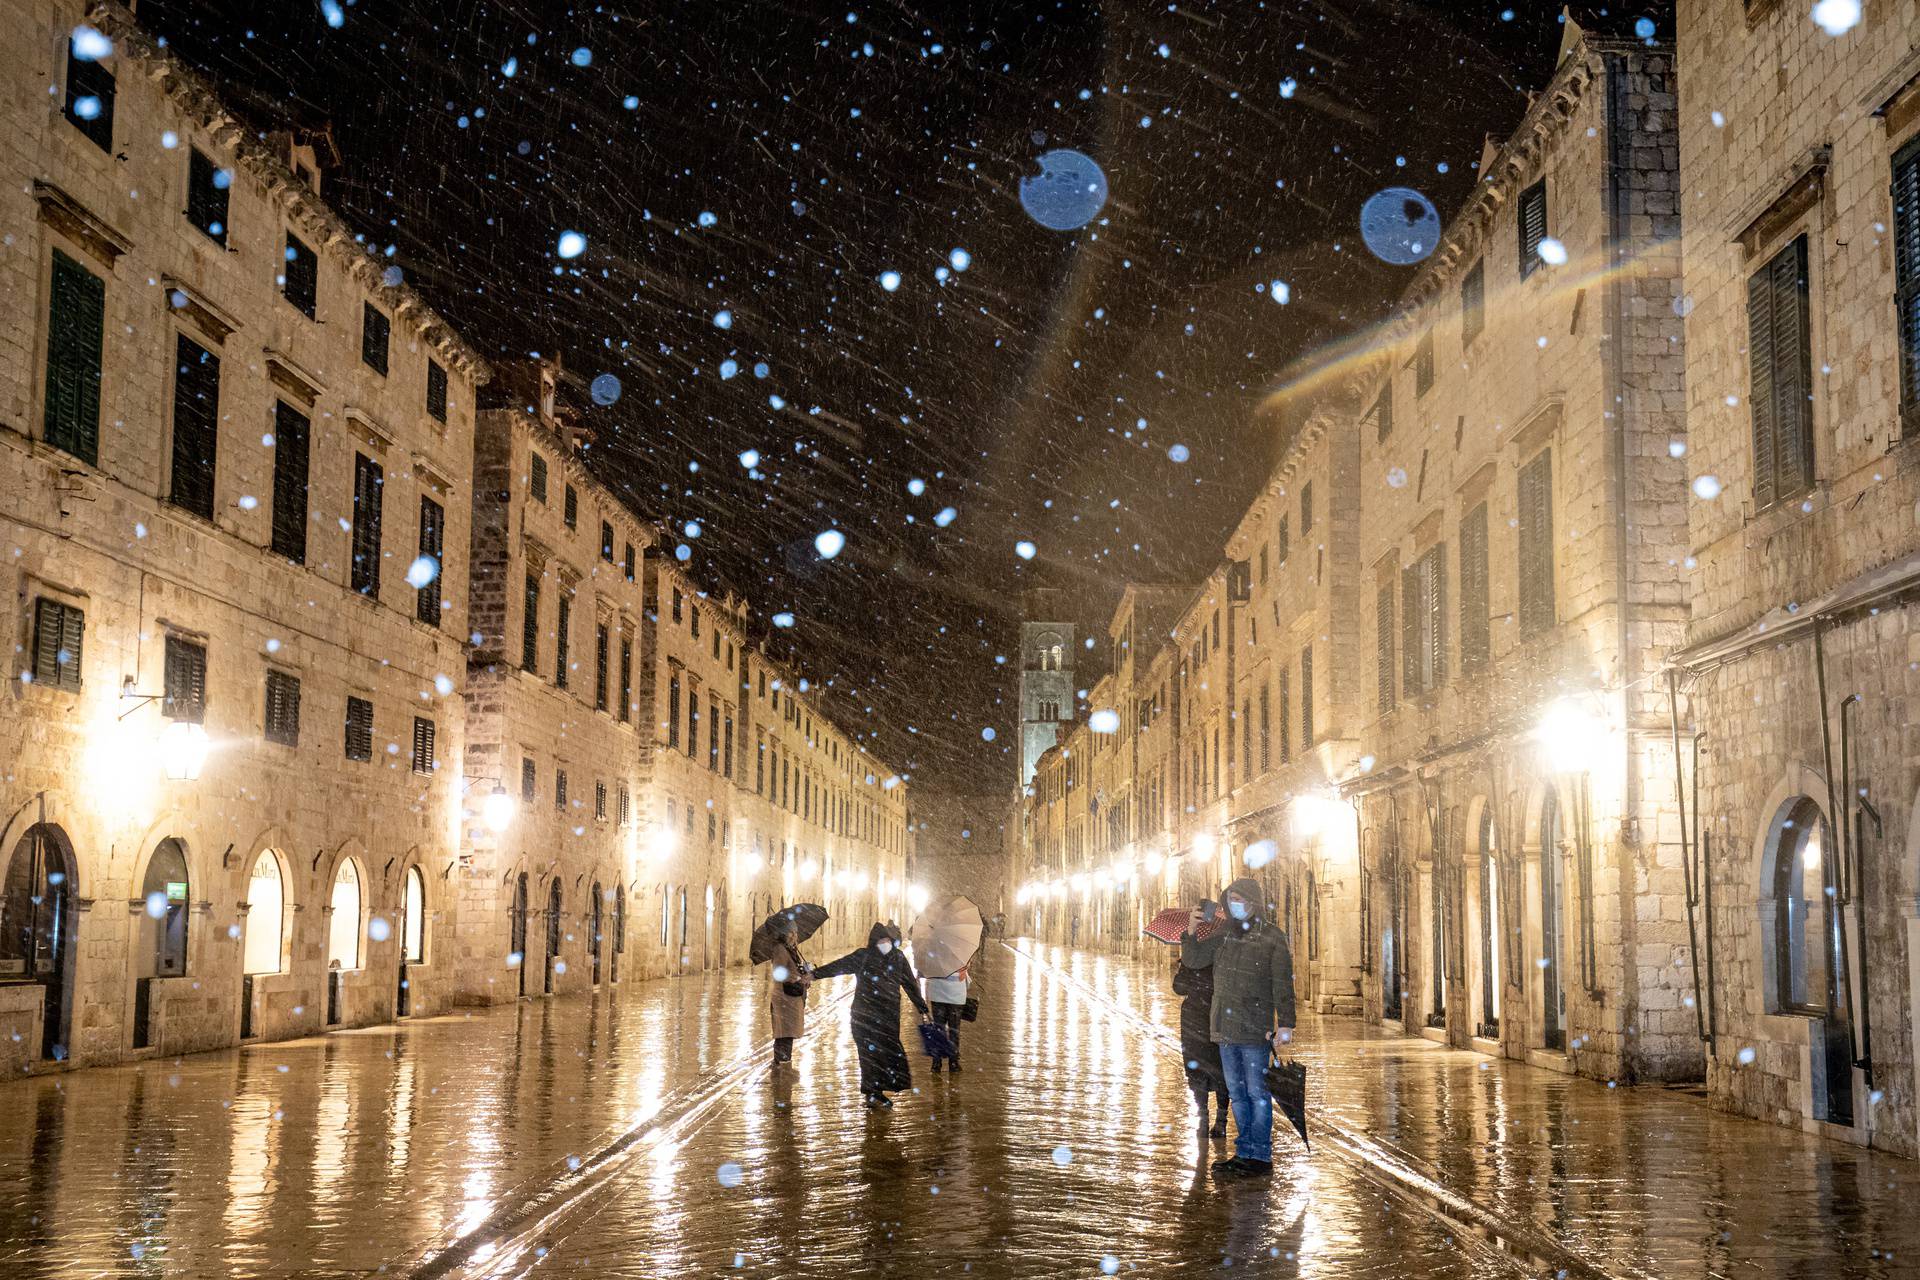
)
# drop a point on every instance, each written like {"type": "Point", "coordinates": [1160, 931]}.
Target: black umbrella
{"type": "Point", "coordinates": [1288, 1085]}
{"type": "Point", "coordinates": [804, 919]}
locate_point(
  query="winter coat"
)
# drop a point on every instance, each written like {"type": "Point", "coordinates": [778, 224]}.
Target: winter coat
{"type": "Point", "coordinates": [1202, 1055]}
{"type": "Point", "coordinates": [951, 990]}
{"type": "Point", "coordinates": [1252, 973]}
{"type": "Point", "coordinates": [787, 995]}
{"type": "Point", "coordinates": [879, 980]}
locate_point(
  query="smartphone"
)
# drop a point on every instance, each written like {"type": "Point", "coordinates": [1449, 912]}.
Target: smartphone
{"type": "Point", "coordinates": [1209, 908]}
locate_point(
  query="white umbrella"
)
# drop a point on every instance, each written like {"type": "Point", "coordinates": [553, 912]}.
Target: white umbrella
{"type": "Point", "coordinates": [945, 936]}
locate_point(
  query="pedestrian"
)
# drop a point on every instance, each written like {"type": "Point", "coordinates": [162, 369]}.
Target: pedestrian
{"type": "Point", "coordinates": [1205, 1076]}
{"type": "Point", "coordinates": [787, 995]}
{"type": "Point", "coordinates": [882, 973]}
{"type": "Point", "coordinates": [1251, 1017]}
{"type": "Point", "coordinates": [949, 997]}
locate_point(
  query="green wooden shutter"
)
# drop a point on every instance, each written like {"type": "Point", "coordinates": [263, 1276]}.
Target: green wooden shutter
{"type": "Point", "coordinates": [1535, 550]}
{"type": "Point", "coordinates": [1306, 698]}
{"type": "Point", "coordinates": [1531, 220]}
{"type": "Point", "coordinates": [1386, 679]}
{"type": "Point", "coordinates": [1434, 608]}
{"type": "Point", "coordinates": [368, 483]}
{"type": "Point", "coordinates": [600, 667]}
{"type": "Point", "coordinates": [530, 627]}
{"type": "Point", "coordinates": [1906, 278]}
{"type": "Point", "coordinates": [1410, 610]}
{"type": "Point", "coordinates": [433, 521]}
{"type": "Point", "coordinates": [75, 319]}
{"type": "Point", "coordinates": [1474, 608]}
{"type": "Point", "coordinates": [1792, 370]}
{"type": "Point", "coordinates": [290, 428]}
{"type": "Point", "coordinates": [436, 391]}
{"type": "Point", "coordinates": [196, 426]}
{"type": "Point", "coordinates": [423, 734]}
{"type": "Point", "coordinates": [562, 625]}
{"type": "Point", "coordinates": [59, 630]}
{"type": "Point", "coordinates": [186, 680]}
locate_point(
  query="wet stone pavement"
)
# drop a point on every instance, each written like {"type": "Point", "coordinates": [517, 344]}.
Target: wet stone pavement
{"type": "Point", "coordinates": [643, 1134]}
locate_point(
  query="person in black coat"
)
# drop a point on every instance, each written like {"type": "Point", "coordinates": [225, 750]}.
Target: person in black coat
{"type": "Point", "coordinates": [1204, 1072]}
{"type": "Point", "coordinates": [882, 973]}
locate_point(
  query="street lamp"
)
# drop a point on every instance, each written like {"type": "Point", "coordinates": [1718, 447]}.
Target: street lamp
{"type": "Point", "coordinates": [183, 750]}
{"type": "Point", "coordinates": [497, 809]}
{"type": "Point", "coordinates": [1570, 734]}
{"type": "Point", "coordinates": [662, 844]}
{"type": "Point", "coordinates": [918, 897]}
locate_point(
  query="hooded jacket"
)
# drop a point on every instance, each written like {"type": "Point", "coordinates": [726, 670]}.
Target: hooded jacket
{"type": "Point", "coordinates": [882, 979]}
{"type": "Point", "coordinates": [1252, 972]}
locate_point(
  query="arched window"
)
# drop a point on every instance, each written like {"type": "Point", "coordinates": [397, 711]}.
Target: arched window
{"type": "Point", "coordinates": [414, 937]}
{"type": "Point", "coordinates": [165, 892]}
{"type": "Point", "coordinates": [266, 914]}
{"type": "Point", "coordinates": [343, 933]}
{"type": "Point", "coordinates": [1805, 919]}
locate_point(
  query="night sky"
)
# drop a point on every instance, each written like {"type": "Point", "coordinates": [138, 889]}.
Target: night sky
{"type": "Point", "coordinates": [773, 161]}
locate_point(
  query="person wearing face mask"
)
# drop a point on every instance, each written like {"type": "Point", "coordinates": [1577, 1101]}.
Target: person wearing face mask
{"type": "Point", "coordinates": [1252, 1015]}
{"type": "Point", "coordinates": [881, 973]}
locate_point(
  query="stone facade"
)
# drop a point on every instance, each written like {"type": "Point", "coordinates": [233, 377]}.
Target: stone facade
{"type": "Point", "coordinates": [214, 558]}
{"type": "Point", "coordinates": [555, 709]}
{"type": "Point", "coordinates": [1802, 649]}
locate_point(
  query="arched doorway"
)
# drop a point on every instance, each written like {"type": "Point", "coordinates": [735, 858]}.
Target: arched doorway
{"type": "Point", "coordinates": [1491, 955]}
{"type": "Point", "coordinates": [553, 934]}
{"type": "Point", "coordinates": [1437, 942]}
{"type": "Point", "coordinates": [264, 950]}
{"type": "Point", "coordinates": [517, 930]}
{"type": "Point", "coordinates": [413, 937]}
{"type": "Point", "coordinates": [160, 948]}
{"type": "Point", "coordinates": [344, 905]}
{"type": "Point", "coordinates": [37, 920]}
{"type": "Point", "coordinates": [619, 931]}
{"type": "Point", "coordinates": [593, 937]}
{"type": "Point", "coordinates": [1393, 933]}
{"type": "Point", "coordinates": [1553, 892]}
{"type": "Point", "coordinates": [1809, 960]}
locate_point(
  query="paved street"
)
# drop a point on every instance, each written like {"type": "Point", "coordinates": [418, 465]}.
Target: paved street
{"type": "Point", "coordinates": [644, 1136]}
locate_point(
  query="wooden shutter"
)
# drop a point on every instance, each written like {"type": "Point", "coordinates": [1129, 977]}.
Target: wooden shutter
{"type": "Point", "coordinates": [626, 679]}
{"type": "Point", "coordinates": [1411, 683]}
{"type": "Point", "coordinates": [1266, 728]}
{"type": "Point", "coordinates": [436, 391]}
{"type": "Point", "coordinates": [359, 729]}
{"type": "Point", "coordinates": [570, 510]}
{"type": "Point", "coordinates": [673, 710]}
{"type": "Point", "coordinates": [530, 627]}
{"type": "Point", "coordinates": [1531, 218]}
{"type": "Point", "coordinates": [196, 425]}
{"type": "Point", "coordinates": [367, 486]}
{"type": "Point", "coordinates": [600, 667]}
{"type": "Point", "coordinates": [537, 477]}
{"type": "Point", "coordinates": [1906, 277]}
{"type": "Point", "coordinates": [1383, 412]}
{"type": "Point", "coordinates": [87, 80]}
{"type": "Point", "coordinates": [283, 709]}
{"type": "Point", "coordinates": [1385, 678]}
{"type": "Point", "coordinates": [433, 524]}
{"type": "Point", "coordinates": [423, 733]}
{"type": "Point", "coordinates": [206, 196]}
{"type": "Point", "coordinates": [1306, 698]}
{"type": "Point", "coordinates": [76, 312]}
{"type": "Point", "coordinates": [1306, 508]}
{"type": "Point", "coordinates": [290, 429]}
{"type": "Point", "coordinates": [1423, 364]}
{"type": "Point", "coordinates": [186, 681]}
{"type": "Point", "coordinates": [1433, 591]}
{"type": "Point", "coordinates": [562, 625]}
{"type": "Point", "coordinates": [1536, 544]}
{"type": "Point", "coordinates": [1473, 303]}
{"type": "Point", "coordinates": [374, 329]}
{"type": "Point", "coordinates": [529, 783]}
{"type": "Point", "coordinates": [301, 275]}
{"type": "Point", "coordinates": [1280, 541]}
{"type": "Point", "coordinates": [1246, 736]}
{"type": "Point", "coordinates": [1792, 371]}
{"type": "Point", "coordinates": [1760, 402]}
{"type": "Point", "coordinates": [1474, 607]}
{"type": "Point", "coordinates": [59, 633]}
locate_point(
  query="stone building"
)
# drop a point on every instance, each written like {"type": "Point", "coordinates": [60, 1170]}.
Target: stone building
{"type": "Point", "coordinates": [1047, 694]}
{"type": "Point", "coordinates": [237, 468]}
{"type": "Point", "coordinates": [557, 706]}
{"type": "Point", "coordinates": [1297, 677]}
{"type": "Point", "coordinates": [1800, 170]}
{"type": "Point", "coordinates": [1521, 579]}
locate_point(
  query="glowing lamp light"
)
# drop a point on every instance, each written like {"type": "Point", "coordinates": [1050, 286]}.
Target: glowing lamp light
{"type": "Point", "coordinates": [1058, 888]}
{"type": "Point", "coordinates": [1570, 735]}
{"type": "Point", "coordinates": [183, 750]}
{"type": "Point", "coordinates": [918, 897]}
{"type": "Point", "coordinates": [1154, 863]}
{"type": "Point", "coordinates": [497, 809]}
{"type": "Point", "coordinates": [662, 844]}
{"type": "Point", "coordinates": [1203, 845]}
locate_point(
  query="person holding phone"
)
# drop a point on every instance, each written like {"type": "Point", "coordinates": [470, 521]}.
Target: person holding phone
{"type": "Point", "coordinates": [1252, 1016]}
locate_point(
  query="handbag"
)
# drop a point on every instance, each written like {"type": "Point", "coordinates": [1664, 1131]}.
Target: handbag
{"type": "Point", "coordinates": [970, 1011]}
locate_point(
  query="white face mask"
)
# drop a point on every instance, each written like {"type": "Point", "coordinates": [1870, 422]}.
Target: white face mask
{"type": "Point", "coordinates": [1239, 910]}
{"type": "Point", "coordinates": [885, 945]}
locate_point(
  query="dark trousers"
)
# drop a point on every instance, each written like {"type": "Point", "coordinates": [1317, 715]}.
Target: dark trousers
{"type": "Point", "coordinates": [783, 1048]}
{"type": "Point", "coordinates": [948, 1016]}
{"type": "Point", "coordinates": [1203, 1083]}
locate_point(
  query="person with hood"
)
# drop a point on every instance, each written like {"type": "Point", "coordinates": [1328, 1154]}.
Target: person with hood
{"type": "Point", "coordinates": [787, 997]}
{"type": "Point", "coordinates": [1205, 1075]}
{"type": "Point", "coordinates": [1251, 1016]}
{"type": "Point", "coordinates": [949, 997]}
{"type": "Point", "coordinates": [882, 973]}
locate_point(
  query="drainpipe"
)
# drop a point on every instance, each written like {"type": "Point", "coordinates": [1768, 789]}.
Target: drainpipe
{"type": "Point", "coordinates": [1839, 818]}
{"type": "Point", "coordinates": [1856, 881]}
{"type": "Point", "coordinates": [1704, 874]}
{"type": "Point", "coordinates": [1687, 874]}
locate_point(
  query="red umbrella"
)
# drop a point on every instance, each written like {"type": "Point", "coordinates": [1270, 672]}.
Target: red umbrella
{"type": "Point", "coordinates": [1170, 925]}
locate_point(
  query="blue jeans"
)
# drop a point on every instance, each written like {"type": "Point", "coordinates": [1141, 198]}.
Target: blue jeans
{"type": "Point", "coordinates": [1246, 1068]}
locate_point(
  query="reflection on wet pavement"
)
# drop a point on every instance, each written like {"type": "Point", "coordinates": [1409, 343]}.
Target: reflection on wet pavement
{"type": "Point", "coordinates": [643, 1135]}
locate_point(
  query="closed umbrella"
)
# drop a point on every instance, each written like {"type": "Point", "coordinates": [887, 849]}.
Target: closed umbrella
{"type": "Point", "coordinates": [804, 919]}
{"type": "Point", "coordinates": [1288, 1085]}
{"type": "Point", "coordinates": [945, 936]}
{"type": "Point", "coordinates": [1170, 926]}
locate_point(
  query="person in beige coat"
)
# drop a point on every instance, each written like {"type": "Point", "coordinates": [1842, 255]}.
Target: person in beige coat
{"type": "Point", "coordinates": [787, 996]}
